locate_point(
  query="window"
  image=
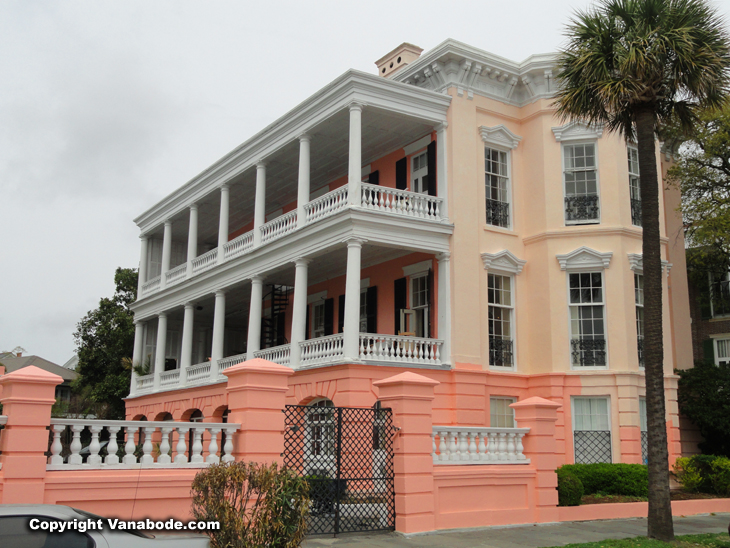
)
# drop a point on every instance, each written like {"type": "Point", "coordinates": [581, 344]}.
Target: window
{"type": "Point", "coordinates": [722, 351]}
{"type": "Point", "coordinates": [501, 415]}
{"type": "Point", "coordinates": [150, 344]}
{"type": "Point", "coordinates": [364, 310]}
{"type": "Point", "coordinates": [321, 421]}
{"type": "Point", "coordinates": [591, 430]}
{"type": "Point", "coordinates": [639, 298]}
{"type": "Point", "coordinates": [581, 184]}
{"type": "Point", "coordinates": [644, 436]}
{"type": "Point", "coordinates": [318, 320]}
{"type": "Point", "coordinates": [588, 339]}
{"type": "Point", "coordinates": [499, 297]}
{"type": "Point", "coordinates": [497, 187]}
{"type": "Point", "coordinates": [419, 304]}
{"type": "Point", "coordinates": [720, 294]}
{"type": "Point", "coordinates": [634, 186]}
{"type": "Point", "coordinates": [419, 173]}
{"type": "Point", "coordinates": [15, 532]}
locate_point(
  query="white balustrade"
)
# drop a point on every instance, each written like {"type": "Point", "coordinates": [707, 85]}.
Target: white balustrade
{"type": "Point", "coordinates": [200, 372]}
{"type": "Point", "coordinates": [401, 202]}
{"type": "Point", "coordinates": [140, 440]}
{"type": "Point", "coordinates": [322, 349]}
{"type": "Point", "coordinates": [326, 205]}
{"type": "Point", "coordinates": [151, 286]}
{"type": "Point", "coordinates": [400, 348]}
{"type": "Point", "coordinates": [277, 354]}
{"type": "Point", "coordinates": [282, 225]}
{"type": "Point", "coordinates": [169, 378]}
{"type": "Point", "coordinates": [176, 275]}
{"type": "Point", "coordinates": [225, 363]}
{"type": "Point", "coordinates": [145, 383]}
{"type": "Point", "coordinates": [238, 246]}
{"type": "Point", "coordinates": [206, 261]}
{"type": "Point", "coordinates": [478, 445]}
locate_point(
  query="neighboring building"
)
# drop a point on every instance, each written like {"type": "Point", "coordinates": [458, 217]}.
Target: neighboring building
{"type": "Point", "coordinates": [438, 217]}
{"type": "Point", "coordinates": [710, 311]}
{"type": "Point", "coordinates": [72, 363]}
{"type": "Point", "coordinates": [13, 362]}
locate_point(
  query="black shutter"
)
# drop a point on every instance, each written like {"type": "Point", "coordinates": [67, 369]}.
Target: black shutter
{"type": "Point", "coordinates": [705, 296]}
{"type": "Point", "coordinates": [431, 168]}
{"type": "Point", "coordinates": [371, 308]}
{"type": "Point", "coordinates": [306, 325]}
{"type": "Point", "coordinates": [708, 350]}
{"type": "Point", "coordinates": [329, 316]}
{"type": "Point", "coordinates": [374, 178]}
{"type": "Point", "coordinates": [431, 308]}
{"type": "Point", "coordinates": [400, 298]}
{"type": "Point", "coordinates": [341, 314]}
{"type": "Point", "coordinates": [401, 174]}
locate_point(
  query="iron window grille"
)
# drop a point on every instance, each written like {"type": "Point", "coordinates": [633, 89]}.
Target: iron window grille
{"type": "Point", "coordinates": [500, 352]}
{"type": "Point", "coordinates": [581, 183]}
{"type": "Point", "coordinates": [591, 430]}
{"type": "Point", "coordinates": [497, 213]}
{"type": "Point", "coordinates": [582, 208]}
{"type": "Point", "coordinates": [588, 352]}
{"type": "Point", "coordinates": [592, 446]}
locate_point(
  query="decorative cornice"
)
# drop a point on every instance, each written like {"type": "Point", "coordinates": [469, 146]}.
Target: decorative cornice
{"type": "Point", "coordinates": [503, 261]}
{"type": "Point", "coordinates": [584, 258]}
{"type": "Point", "coordinates": [575, 131]}
{"type": "Point", "coordinates": [636, 263]}
{"type": "Point", "coordinates": [499, 136]}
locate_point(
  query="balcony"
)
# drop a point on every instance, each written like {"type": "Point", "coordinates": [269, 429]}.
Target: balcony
{"type": "Point", "coordinates": [583, 208]}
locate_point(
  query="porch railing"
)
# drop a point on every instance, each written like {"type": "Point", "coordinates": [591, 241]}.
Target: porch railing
{"type": "Point", "coordinates": [323, 349]}
{"type": "Point", "coordinates": [400, 348]}
{"type": "Point", "coordinates": [124, 438]}
{"type": "Point", "coordinates": [327, 204]}
{"type": "Point", "coordinates": [151, 285]}
{"type": "Point", "coordinates": [401, 202]}
{"type": "Point", "coordinates": [145, 382]}
{"type": "Point", "coordinates": [478, 445]}
{"type": "Point", "coordinates": [225, 363]}
{"type": "Point", "coordinates": [277, 354]}
{"type": "Point", "coordinates": [176, 274]}
{"type": "Point", "coordinates": [206, 261]}
{"type": "Point", "coordinates": [199, 372]}
{"type": "Point", "coordinates": [170, 378]}
{"type": "Point", "coordinates": [279, 227]}
{"type": "Point", "coordinates": [238, 246]}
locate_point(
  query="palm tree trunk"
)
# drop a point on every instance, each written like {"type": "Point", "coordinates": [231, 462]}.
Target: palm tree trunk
{"type": "Point", "coordinates": [660, 524]}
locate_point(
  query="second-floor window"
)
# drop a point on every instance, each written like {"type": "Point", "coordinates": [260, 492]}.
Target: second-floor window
{"type": "Point", "coordinates": [497, 187]}
{"type": "Point", "coordinates": [639, 299]}
{"type": "Point", "coordinates": [587, 329]}
{"type": "Point", "coordinates": [318, 320]}
{"type": "Point", "coordinates": [499, 296]}
{"type": "Point", "coordinates": [720, 294]}
{"type": "Point", "coordinates": [634, 186]}
{"type": "Point", "coordinates": [419, 304]}
{"type": "Point", "coordinates": [581, 184]}
{"type": "Point", "coordinates": [419, 173]}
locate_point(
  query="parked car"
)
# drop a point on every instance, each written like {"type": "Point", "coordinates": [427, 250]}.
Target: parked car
{"type": "Point", "coordinates": [15, 531]}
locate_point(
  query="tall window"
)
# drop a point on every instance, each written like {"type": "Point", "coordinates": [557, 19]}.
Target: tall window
{"type": "Point", "coordinates": [639, 298]}
{"type": "Point", "coordinates": [497, 187]}
{"type": "Point", "coordinates": [591, 430]}
{"type": "Point", "coordinates": [318, 320]}
{"type": "Point", "coordinates": [720, 294]}
{"type": "Point", "coordinates": [581, 184]}
{"type": "Point", "coordinates": [588, 335]}
{"type": "Point", "coordinates": [321, 422]}
{"type": "Point", "coordinates": [499, 297]}
{"type": "Point", "coordinates": [634, 188]}
{"type": "Point", "coordinates": [419, 304]}
{"type": "Point", "coordinates": [419, 173]}
{"type": "Point", "coordinates": [501, 415]}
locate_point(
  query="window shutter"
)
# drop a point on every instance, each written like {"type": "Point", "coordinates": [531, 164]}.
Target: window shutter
{"type": "Point", "coordinates": [329, 316]}
{"type": "Point", "coordinates": [431, 168]}
{"type": "Point", "coordinates": [371, 307]}
{"type": "Point", "coordinates": [705, 297]}
{"type": "Point", "coordinates": [708, 349]}
{"type": "Point", "coordinates": [341, 314]}
{"type": "Point", "coordinates": [400, 298]}
{"type": "Point", "coordinates": [431, 309]}
{"type": "Point", "coordinates": [401, 174]}
{"type": "Point", "coordinates": [306, 325]}
{"type": "Point", "coordinates": [374, 178]}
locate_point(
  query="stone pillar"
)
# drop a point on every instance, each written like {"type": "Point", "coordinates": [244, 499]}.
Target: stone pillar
{"type": "Point", "coordinates": [259, 214]}
{"type": "Point", "coordinates": [303, 191]}
{"type": "Point", "coordinates": [354, 171]}
{"type": "Point", "coordinates": [137, 353]}
{"type": "Point", "coordinates": [27, 397]}
{"type": "Point", "coordinates": [219, 328]}
{"type": "Point", "coordinates": [142, 278]}
{"type": "Point", "coordinates": [254, 316]}
{"type": "Point", "coordinates": [192, 238]}
{"type": "Point", "coordinates": [442, 173]}
{"type": "Point", "coordinates": [186, 354]}
{"type": "Point", "coordinates": [160, 350]}
{"type": "Point", "coordinates": [351, 329]}
{"type": "Point", "coordinates": [444, 305]}
{"type": "Point", "coordinates": [166, 251]}
{"type": "Point", "coordinates": [410, 396]}
{"type": "Point", "coordinates": [540, 446]}
{"type": "Point", "coordinates": [256, 397]}
{"type": "Point", "coordinates": [299, 310]}
{"type": "Point", "coordinates": [223, 222]}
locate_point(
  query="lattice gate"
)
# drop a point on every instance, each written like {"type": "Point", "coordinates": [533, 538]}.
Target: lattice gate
{"type": "Point", "coordinates": [347, 455]}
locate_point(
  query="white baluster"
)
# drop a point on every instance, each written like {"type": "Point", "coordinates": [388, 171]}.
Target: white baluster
{"type": "Point", "coordinates": [473, 455]}
{"type": "Point", "coordinates": [57, 446]}
{"type": "Point", "coordinates": [482, 447]}
{"type": "Point", "coordinates": [464, 446]}
{"type": "Point", "coordinates": [454, 446]}
{"type": "Point", "coordinates": [181, 449]}
{"type": "Point", "coordinates": [493, 447]}
{"type": "Point", "coordinates": [130, 446]}
{"type": "Point", "coordinates": [165, 457]}
{"type": "Point", "coordinates": [511, 447]}
{"type": "Point", "coordinates": [94, 447]}
{"type": "Point", "coordinates": [147, 447]}
{"type": "Point", "coordinates": [228, 447]}
{"type": "Point", "coordinates": [443, 448]}
{"type": "Point", "coordinates": [519, 447]}
{"type": "Point", "coordinates": [197, 446]}
{"type": "Point", "coordinates": [112, 448]}
{"type": "Point", "coordinates": [502, 446]}
{"type": "Point", "coordinates": [213, 457]}
{"type": "Point", "coordinates": [74, 457]}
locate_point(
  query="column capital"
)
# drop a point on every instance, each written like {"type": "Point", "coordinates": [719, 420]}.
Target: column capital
{"type": "Point", "coordinates": [225, 187]}
{"type": "Point", "coordinates": [355, 105]}
{"type": "Point", "coordinates": [144, 237]}
{"type": "Point", "coordinates": [441, 127]}
{"type": "Point", "coordinates": [305, 137]}
{"type": "Point", "coordinates": [261, 164]}
{"type": "Point", "coordinates": [258, 279]}
{"type": "Point", "coordinates": [189, 305]}
{"type": "Point", "coordinates": [220, 293]}
{"type": "Point", "coordinates": [193, 207]}
{"type": "Point", "coordinates": [302, 261]}
{"type": "Point", "coordinates": [162, 315]}
{"type": "Point", "coordinates": [444, 256]}
{"type": "Point", "coordinates": [354, 242]}
{"type": "Point", "coordinates": [168, 222]}
{"type": "Point", "coordinates": [138, 323]}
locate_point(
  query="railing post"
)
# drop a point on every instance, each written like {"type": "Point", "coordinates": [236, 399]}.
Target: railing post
{"type": "Point", "coordinates": [540, 446]}
{"type": "Point", "coordinates": [410, 396]}
{"type": "Point", "coordinates": [256, 400]}
{"type": "Point", "coordinates": [27, 397]}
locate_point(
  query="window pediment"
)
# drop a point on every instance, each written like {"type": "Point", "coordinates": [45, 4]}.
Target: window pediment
{"type": "Point", "coordinates": [503, 262]}
{"type": "Point", "coordinates": [584, 258]}
{"type": "Point", "coordinates": [499, 136]}
{"type": "Point", "coordinates": [577, 131]}
{"type": "Point", "coordinates": [636, 263]}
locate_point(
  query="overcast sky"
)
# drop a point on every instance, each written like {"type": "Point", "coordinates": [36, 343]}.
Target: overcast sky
{"type": "Point", "coordinates": [106, 107]}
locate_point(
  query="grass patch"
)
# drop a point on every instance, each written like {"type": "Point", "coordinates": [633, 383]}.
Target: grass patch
{"type": "Point", "coordinates": [685, 541]}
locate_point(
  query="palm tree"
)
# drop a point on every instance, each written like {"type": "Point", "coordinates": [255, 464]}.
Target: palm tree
{"type": "Point", "coordinates": [633, 66]}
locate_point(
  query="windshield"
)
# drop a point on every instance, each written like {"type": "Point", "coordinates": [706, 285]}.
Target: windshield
{"type": "Point", "coordinates": [133, 532]}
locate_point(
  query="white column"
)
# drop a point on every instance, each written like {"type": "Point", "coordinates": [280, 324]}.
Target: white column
{"type": "Point", "coordinates": [166, 251]}
{"type": "Point", "coordinates": [254, 316]}
{"type": "Point", "coordinates": [219, 327]}
{"type": "Point", "coordinates": [142, 265]}
{"type": "Point", "coordinates": [352, 301]}
{"type": "Point", "coordinates": [303, 194]}
{"type": "Point", "coordinates": [259, 215]}
{"type": "Point", "coordinates": [444, 305]}
{"type": "Point", "coordinates": [355, 159]}
{"type": "Point", "coordinates": [223, 222]}
{"type": "Point", "coordinates": [299, 310]}
{"type": "Point", "coordinates": [161, 348]}
{"type": "Point", "coordinates": [192, 238]}
{"type": "Point", "coordinates": [137, 354]}
{"type": "Point", "coordinates": [442, 177]}
{"type": "Point", "coordinates": [186, 354]}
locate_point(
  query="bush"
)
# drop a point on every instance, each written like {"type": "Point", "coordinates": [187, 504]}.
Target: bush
{"type": "Point", "coordinates": [630, 480]}
{"type": "Point", "coordinates": [570, 489]}
{"type": "Point", "coordinates": [704, 473]}
{"type": "Point", "coordinates": [257, 505]}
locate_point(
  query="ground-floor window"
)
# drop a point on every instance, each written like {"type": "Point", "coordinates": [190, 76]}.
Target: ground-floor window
{"type": "Point", "coordinates": [591, 430]}
{"type": "Point", "coordinates": [501, 415]}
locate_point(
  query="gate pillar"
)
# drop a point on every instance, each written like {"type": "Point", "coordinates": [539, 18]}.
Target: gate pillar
{"type": "Point", "coordinates": [256, 399]}
{"type": "Point", "coordinates": [410, 396]}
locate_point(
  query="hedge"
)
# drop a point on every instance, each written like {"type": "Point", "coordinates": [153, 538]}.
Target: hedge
{"type": "Point", "coordinates": [570, 489]}
{"type": "Point", "coordinates": [610, 479]}
{"type": "Point", "coordinates": [704, 473]}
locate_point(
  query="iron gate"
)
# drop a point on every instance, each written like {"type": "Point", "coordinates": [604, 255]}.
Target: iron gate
{"type": "Point", "coordinates": [347, 455]}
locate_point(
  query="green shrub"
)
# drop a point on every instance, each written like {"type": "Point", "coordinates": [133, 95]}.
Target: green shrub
{"type": "Point", "coordinates": [720, 477]}
{"type": "Point", "coordinates": [257, 505]}
{"type": "Point", "coordinates": [687, 474]}
{"type": "Point", "coordinates": [630, 480]}
{"type": "Point", "coordinates": [570, 489]}
{"type": "Point", "coordinates": [704, 473]}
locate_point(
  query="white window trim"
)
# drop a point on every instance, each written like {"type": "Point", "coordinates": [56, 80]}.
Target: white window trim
{"type": "Point", "coordinates": [427, 308]}
{"type": "Point", "coordinates": [311, 319]}
{"type": "Point", "coordinates": [715, 338]}
{"type": "Point", "coordinates": [584, 259]}
{"type": "Point", "coordinates": [513, 320]}
{"type": "Point", "coordinates": [510, 196]}
{"type": "Point", "coordinates": [417, 146]}
{"type": "Point", "coordinates": [579, 142]}
{"type": "Point", "coordinates": [636, 306]}
{"type": "Point", "coordinates": [605, 322]}
{"type": "Point", "coordinates": [500, 397]}
{"type": "Point", "coordinates": [417, 269]}
{"type": "Point", "coordinates": [411, 185]}
{"type": "Point", "coordinates": [610, 421]}
{"type": "Point", "coordinates": [502, 139]}
{"type": "Point", "coordinates": [503, 262]}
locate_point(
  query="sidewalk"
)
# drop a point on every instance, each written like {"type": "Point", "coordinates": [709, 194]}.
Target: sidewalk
{"type": "Point", "coordinates": [525, 536]}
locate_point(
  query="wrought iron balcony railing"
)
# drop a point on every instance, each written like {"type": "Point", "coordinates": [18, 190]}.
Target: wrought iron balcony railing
{"type": "Point", "coordinates": [500, 352]}
{"type": "Point", "coordinates": [582, 208]}
{"type": "Point", "coordinates": [588, 352]}
{"type": "Point", "coordinates": [497, 213]}
{"type": "Point", "coordinates": [640, 349]}
{"type": "Point", "coordinates": [635, 212]}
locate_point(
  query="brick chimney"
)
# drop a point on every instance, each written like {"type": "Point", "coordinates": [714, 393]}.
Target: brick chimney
{"type": "Point", "coordinates": [397, 59]}
{"type": "Point", "coordinates": [19, 354]}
